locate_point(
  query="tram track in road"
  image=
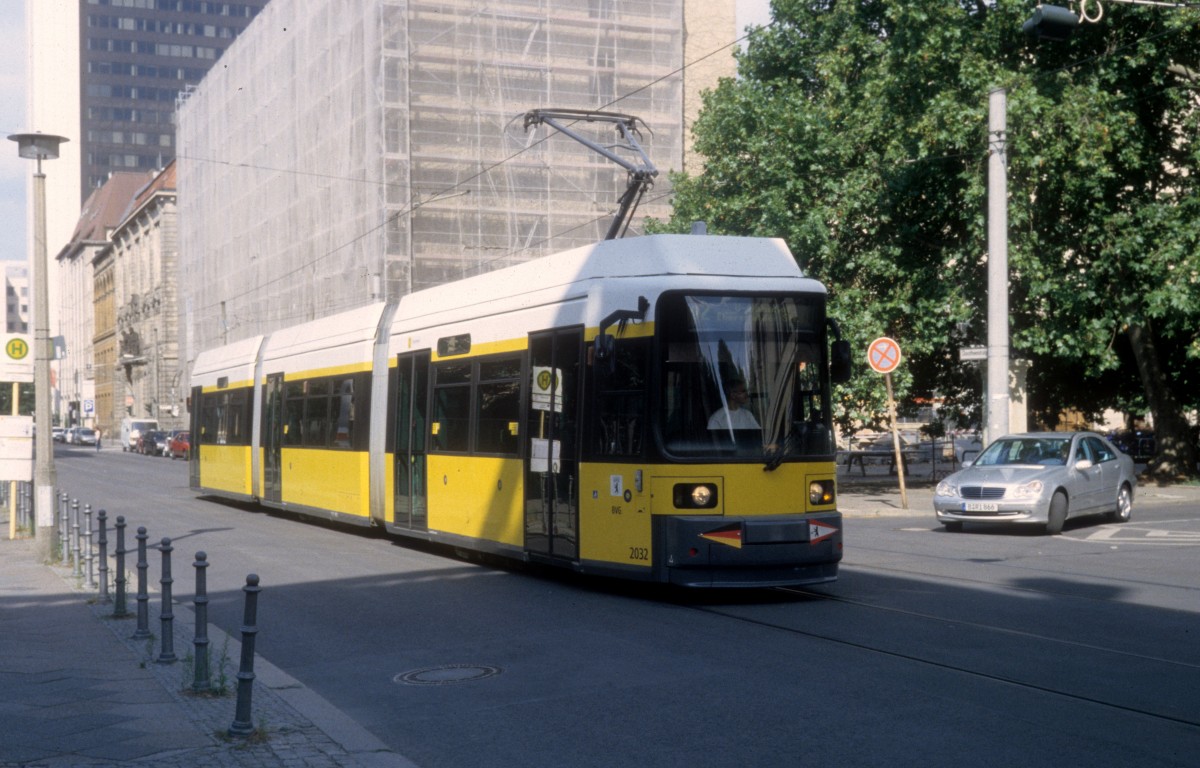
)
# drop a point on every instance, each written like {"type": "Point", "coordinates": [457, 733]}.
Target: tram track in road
{"type": "Point", "coordinates": [1024, 560]}
{"type": "Point", "coordinates": [995, 627]}
{"type": "Point", "coordinates": [946, 666]}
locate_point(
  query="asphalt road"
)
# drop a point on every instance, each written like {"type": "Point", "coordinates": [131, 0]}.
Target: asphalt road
{"type": "Point", "coordinates": [982, 648]}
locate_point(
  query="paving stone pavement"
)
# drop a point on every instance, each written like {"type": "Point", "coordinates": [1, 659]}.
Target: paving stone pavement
{"type": "Point", "coordinates": [77, 691]}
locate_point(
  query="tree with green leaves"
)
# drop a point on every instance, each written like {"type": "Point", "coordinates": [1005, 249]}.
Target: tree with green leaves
{"type": "Point", "coordinates": [857, 132]}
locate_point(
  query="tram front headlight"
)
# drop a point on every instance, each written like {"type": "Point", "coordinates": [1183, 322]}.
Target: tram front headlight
{"type": "Point", "coordinates": [695, 496]}
{"type": "Point", "coordinates": [820, 492]}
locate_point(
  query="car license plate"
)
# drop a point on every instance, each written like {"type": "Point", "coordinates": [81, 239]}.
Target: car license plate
{"type": "Point", "coordinates": [979, 506]}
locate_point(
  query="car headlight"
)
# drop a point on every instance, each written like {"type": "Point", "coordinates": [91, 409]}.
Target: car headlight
{"type": "Point", "coordinates": [946, 488]}
{"type": "Point", "coordinates": [1030, 490]}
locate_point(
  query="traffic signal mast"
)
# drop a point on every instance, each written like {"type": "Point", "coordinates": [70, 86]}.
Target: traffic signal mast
{"type": "Point", "coordinates": [1053, 22]}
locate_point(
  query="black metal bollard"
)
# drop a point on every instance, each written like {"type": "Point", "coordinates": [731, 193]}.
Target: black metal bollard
{"type": "Point", "coordinates": [75, 538]}
{"type": "Point", "coordinates": [88, 555]}
{"type": "Point", "coordinates": [119, 604]}
{"type": "Point", "coordinates": [102, 542]}
{"type": "Point", "coordinates": [168, 618]}
{"type": "Point", "coordinates": [64, 529]}
{"type": "Point", "coordinates": [201, 681]}
{"type": "Point", "coordinates": [143, 597]}
{"type": "Point", "coordinates": [241, 720]}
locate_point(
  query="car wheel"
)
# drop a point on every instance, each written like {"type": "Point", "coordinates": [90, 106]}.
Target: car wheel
{"type": "Point", "coordinates": [1124, 508]}
{"type": "Point", "coordinates": [1058, 514]}
{"type": "Point", "coordinates": [953, 526]}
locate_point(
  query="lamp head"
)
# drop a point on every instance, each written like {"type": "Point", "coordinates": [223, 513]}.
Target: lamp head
{"type": "Point", "coordinates": [37, 146]}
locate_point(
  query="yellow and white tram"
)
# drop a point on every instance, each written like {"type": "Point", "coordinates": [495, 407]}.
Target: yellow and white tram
{"type": "Point", "coordinates": [653, 408]}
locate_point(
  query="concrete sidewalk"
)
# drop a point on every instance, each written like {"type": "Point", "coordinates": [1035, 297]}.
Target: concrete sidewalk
{"type": "Point", "coordinates": [874, 491]}
{"type": "Point", "coordinates": [77, 690]}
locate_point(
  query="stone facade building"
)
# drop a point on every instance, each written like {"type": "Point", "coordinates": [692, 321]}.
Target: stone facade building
{"type": "Point", "coordinates": [144, 276]}
{"type": "Point", "coordinates": [76, 364]}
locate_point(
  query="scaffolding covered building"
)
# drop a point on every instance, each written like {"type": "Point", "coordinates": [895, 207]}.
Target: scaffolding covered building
{"type": "Point", "coordinates": [348, 152]}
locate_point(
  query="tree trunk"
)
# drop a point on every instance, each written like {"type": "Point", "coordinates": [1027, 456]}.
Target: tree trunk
{"type": "Point", "coordinates": [1176, 455]}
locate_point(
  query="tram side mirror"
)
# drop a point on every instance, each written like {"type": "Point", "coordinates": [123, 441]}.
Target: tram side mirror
{"type": "Point", "coordinates": [606, 347]}
{"type": "Point", "coordinates": [839, 362]}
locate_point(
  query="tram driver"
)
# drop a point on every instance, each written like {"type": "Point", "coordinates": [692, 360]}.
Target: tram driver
{"type": "Point", "coordinates": [734, 414]}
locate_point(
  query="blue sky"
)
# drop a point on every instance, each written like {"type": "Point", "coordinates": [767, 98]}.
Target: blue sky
{"type": "Point", "coordinates": [15, 172]}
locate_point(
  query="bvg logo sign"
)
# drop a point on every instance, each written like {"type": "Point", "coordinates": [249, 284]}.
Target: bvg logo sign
{"type": "Point", "coordinates": [17, 349]}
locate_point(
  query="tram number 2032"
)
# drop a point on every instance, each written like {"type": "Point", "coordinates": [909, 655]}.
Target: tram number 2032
{"type": "Point", "coordinates": [639, 553]}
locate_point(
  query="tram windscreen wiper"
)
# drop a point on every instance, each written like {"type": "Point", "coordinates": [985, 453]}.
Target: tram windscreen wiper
{"type": "Point", "coordinates": [774, 457]}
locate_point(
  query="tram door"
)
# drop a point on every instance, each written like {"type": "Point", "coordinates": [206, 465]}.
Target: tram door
{"type": "Point", "coordinates": [272, 437]}
{"type": "Point", "coordinates": [412, 424]}
{"type": "Point", "coordinates": [552, 461]}
{"type": "Point", "coordinates": [194, 450]}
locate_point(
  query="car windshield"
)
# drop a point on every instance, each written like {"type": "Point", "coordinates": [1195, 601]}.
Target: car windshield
{"type": "Point", "coordinates": [1038, 451]}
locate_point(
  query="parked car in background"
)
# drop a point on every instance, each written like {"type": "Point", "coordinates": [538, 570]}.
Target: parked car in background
{"type": "Point", "coordinates": [1039, 477]}
{"type": "Point", "coordinates": [1138, 443]}
{"type": "Point", "coordinates": [131, 432]}
{"type": "Point", "coordinates": [59, 434]}
{"type": "Point", "coordinates": [152, 442]}
{"type": "Point", "coordinates": [85, 436]}
{"type": "Point", "coordinates": [179, 444]}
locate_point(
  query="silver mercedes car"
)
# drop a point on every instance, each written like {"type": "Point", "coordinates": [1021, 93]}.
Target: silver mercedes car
{"type": "Point", "coordinates": [1039, 477]}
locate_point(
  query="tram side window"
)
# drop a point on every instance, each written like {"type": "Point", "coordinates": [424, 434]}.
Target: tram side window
{"type": "Point", "coordinates": [293, 413]}
{"type": "Point", "coordinates": [225, 418]}
{"type": "Point", "coordinates": [327, 412]}
{"type": "Point", "coordinates": [499, 407]}
{"type": "Point", "coordinates": [237, 427]}
{"type": "Point", "coordinates": [316, 413]}
{"type": "Point", "coordinates": [477, 407]}
{"type": "Point", "coordinates": [208, 420]}
{"type": "Point", "coordinates": [620, 423]}
{"type": "Point", "coordinates": [452, 407]}
{"type": "Point", "coordinates": [342, 414]}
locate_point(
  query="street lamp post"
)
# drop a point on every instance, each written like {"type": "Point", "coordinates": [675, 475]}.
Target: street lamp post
{"type": "Point", "coordinates": [39, 147]}
{"type": "Point", "coordinates": [996, 406]}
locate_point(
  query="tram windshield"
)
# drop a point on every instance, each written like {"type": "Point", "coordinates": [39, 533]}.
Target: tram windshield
{"type": "Point", "coordinates": [744, 376]}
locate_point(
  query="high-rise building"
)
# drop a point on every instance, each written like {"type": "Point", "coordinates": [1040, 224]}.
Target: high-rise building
{"type": "Point", "coordinates": [135, 56]}
{"type": "Point", "coordinates": [105, 74]}
{"type": "Point", "coordinates": [16, 298]}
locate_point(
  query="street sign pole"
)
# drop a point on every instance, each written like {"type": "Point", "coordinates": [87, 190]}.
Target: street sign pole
{"type": "Point", "coordinates": [887, 377]}
{"type": "Point", "coordinates": [883, 355]}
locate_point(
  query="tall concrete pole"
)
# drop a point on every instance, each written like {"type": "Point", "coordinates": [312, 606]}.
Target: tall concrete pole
{"type": "Point", "coordinates": [996, 404]}
{"type": "Point", "coordinates": [44, 475]}
{"type": "Point", "coordinates": [38, 146]}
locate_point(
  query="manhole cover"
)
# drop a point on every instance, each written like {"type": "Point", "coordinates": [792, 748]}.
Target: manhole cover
{"type": "Point", "coordinates": [447, 674]}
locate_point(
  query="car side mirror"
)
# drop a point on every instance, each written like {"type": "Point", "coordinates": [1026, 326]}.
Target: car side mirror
{"type": "Point", "coordinates": [1083, 464]}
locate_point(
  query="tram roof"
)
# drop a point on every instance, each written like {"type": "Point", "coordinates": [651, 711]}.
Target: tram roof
{"type": "Point", "coordinates": [354, 328]}
{"type": "Point", "coordinates": [648, 257]}
{"type": "Point", "coordinates": [233, 362]}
